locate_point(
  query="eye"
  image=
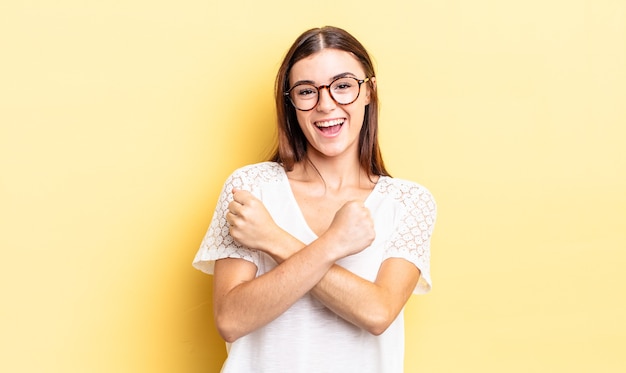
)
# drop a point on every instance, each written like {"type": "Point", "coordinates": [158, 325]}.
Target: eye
{"type": "Point", "coordinates": [343, 85]}
{"type": "Point", "coordinates": [305, 91]}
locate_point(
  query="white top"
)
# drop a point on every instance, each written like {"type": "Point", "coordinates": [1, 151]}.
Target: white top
{"type": "Point", "coordinates": [308, 337]}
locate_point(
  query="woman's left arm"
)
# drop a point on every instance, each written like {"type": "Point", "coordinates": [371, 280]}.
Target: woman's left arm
{"type": "Point", "coordinates": [372, 306]}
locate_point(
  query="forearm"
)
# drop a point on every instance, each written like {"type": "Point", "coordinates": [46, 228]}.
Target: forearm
{"type": "Point", "coordinates": [358, 301]}
{"type": "Point", "coordinates": [251, 304]}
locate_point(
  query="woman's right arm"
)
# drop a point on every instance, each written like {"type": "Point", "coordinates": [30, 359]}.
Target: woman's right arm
{"type": "Point", "coordinates": [243, 303]}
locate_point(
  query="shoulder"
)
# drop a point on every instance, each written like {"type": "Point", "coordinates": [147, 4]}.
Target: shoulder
{"type": "Point", "coordinates": [254, 174]}
{"type": "Point", "coordinates": [406, 192]}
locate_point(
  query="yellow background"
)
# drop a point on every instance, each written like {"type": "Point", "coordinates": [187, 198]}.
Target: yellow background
{"type": "Point", "coordinates": [119, 121]}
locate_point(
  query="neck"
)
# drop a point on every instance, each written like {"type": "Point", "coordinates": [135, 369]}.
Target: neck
{"type": "Point", "coordinates": [335, 173]}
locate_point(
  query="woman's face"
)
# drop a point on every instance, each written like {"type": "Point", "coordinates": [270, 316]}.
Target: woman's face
{"type": "Point", "coordinates": [331, 129]}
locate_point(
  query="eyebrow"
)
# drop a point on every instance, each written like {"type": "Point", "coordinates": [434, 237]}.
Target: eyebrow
{"type": "Point", "coordinates": [342, 75]}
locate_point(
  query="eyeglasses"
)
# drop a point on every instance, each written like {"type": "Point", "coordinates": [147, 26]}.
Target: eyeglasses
{"type": "Point", "coordinates": [343, 91]}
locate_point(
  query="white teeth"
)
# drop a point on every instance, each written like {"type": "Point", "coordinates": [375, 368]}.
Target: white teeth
{"type": "Point", "coordinates": [330, 123]}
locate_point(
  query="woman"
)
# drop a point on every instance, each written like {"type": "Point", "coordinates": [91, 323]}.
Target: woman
{"type": "Point", "coordinates": [315, 253]}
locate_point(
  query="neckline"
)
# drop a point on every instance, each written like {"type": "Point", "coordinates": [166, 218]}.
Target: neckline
{"type": "Point", "coordinates": [296, 205]}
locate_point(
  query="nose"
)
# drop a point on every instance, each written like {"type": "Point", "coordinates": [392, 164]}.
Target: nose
{"type": "Point", "coordinates": [326, 102]}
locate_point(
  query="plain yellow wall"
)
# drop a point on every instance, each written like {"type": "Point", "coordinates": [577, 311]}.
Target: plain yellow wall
{"type": "Point", "coordinates": [119, 121]}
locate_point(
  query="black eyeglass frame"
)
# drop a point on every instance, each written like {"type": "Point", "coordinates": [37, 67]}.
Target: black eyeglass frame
{"type": "Point", "coordinates": [327, 86]}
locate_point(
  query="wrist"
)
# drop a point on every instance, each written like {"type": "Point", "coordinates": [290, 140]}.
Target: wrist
{"type": "Point", "coordinates": [281, 245]}
{"type": "Point", "coordinates": [328, 244]}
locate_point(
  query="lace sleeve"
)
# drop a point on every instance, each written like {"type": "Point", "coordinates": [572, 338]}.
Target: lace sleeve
{"type": "Point", "coordinates": [411, 237]}
{"type": "Point", "coordinates": [218, 243]}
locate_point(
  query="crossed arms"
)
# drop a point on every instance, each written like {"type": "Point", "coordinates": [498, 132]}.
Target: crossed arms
{"type": "Point", "coordinates": [372, 306]}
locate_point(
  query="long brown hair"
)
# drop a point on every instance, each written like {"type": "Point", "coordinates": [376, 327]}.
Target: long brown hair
{"type": "Point", "coordinates": [292, 144]}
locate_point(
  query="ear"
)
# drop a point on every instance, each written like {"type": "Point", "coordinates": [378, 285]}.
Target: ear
{"type": "Point", "coordinates": [370, 87]}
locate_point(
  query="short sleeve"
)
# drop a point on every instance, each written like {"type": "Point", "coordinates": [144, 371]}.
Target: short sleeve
{"type": "Point", "coordinates": [218, 243]}
{"type": "Point", "coordinates": [413, 230]}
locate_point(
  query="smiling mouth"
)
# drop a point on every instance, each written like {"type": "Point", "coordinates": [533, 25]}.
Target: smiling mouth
{"type": "Point", "coordinates": [330, 127]}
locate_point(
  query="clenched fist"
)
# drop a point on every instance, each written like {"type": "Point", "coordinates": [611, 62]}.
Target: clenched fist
{"type": "Point", "coordinates": [352, 228]}
{"type": "Point", "coordinates": [250, 223]}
